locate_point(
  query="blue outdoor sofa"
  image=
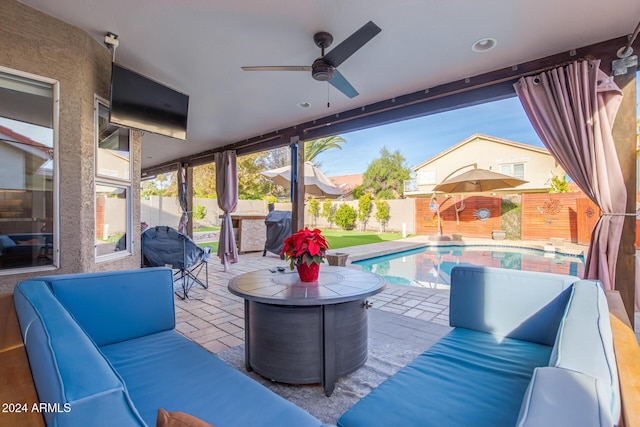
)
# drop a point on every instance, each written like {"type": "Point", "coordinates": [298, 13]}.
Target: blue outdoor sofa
{"type": "Point", "coordinates": [103, 347]}
{"type": "Point", "coordinates": [528, 350]}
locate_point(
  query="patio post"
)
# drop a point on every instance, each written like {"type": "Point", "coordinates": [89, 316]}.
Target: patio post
{"type": "Point", "coordinates": [297, 183]}
{"type": "Point", "coordinates": [190, 201]}
{"type": "Point", "coordinates": [624, 135]}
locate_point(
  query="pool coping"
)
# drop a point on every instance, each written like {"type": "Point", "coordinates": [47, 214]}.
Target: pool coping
{"type": "Point", "coordinates": [373, 250]}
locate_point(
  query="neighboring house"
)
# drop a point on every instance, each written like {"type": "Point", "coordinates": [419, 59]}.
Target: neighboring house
{"type": "Point", "coordinates": [346, 183]}
{"type": "Point", "coordinates": [21, 158]}
{"type": "Point", "coordinates": [533, 164]}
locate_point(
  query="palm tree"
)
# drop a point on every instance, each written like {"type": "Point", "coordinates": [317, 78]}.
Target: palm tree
{"type": "Point", "coordinates": [317, 146]}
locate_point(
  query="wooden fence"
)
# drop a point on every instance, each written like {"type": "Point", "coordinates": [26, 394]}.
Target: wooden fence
{"type": "Point", "coordinates": [478, 218]}
{"type": "Point", "coordinates": [568, 216]}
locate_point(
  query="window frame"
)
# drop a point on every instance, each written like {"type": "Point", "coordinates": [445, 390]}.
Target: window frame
{"type": "Point", "coordinates": [55, 92]}
{"type": "Point", "coordinates": [127, 185]}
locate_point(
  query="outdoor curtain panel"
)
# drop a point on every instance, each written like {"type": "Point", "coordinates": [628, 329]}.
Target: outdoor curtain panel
{"type": "Point", "coordinates": [227, 192]}
{"type": "Point", "coordinates": [182, 198]}
{"type": "Point", "coordinates": [572, 109]}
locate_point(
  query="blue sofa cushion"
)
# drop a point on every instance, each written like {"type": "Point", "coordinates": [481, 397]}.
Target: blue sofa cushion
{"type": "Point", "coordinates": [66, 365]}
{"type": "Point", "coordinates": [518, 304]}
{"type": "Point", "coordinates": [166, 370]}
{"type": "Point", "coordinates": [468, 378]}
{"type": "Point", "coordinates": [584, 340]}
{"type": "Point", "coordinates": [560, 397]}
{"type": "Point", "coordinates": [118, 305]}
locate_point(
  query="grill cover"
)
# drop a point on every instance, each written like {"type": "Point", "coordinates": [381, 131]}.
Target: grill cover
{"type": "Point", "coordinates": [278, 228]}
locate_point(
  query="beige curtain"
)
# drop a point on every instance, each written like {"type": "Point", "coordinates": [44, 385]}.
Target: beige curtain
{"type": "Point", "coordinates": [227, 192]}
{"type": "Point", "coordinates": [572, 109]}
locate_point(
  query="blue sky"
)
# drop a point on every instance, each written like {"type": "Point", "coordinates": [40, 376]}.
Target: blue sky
{"type": "Point", "coordinates": [422, 138]}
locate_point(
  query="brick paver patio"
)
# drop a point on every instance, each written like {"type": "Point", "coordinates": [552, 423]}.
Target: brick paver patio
{"type": "Point", "coordinates": [214, 318]}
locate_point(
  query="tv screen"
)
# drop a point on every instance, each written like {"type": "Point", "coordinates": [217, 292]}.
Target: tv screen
{"type": "Point", "coordinates": [141, 103]}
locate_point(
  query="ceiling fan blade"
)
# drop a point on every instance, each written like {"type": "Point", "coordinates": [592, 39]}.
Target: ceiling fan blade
{"type": "Point", "coordinates": [351, 44]}
{"type": "Point", "coordinates": [339, 82]}
{"type": "Point", "coordinates": [278, 68]}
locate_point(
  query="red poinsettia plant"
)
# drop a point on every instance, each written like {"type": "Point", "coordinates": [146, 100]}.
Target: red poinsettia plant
{"type": "Point", "coordinates": [305, 246]}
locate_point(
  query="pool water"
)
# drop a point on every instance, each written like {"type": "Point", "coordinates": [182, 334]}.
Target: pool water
{"type": "Point", "coordinates": [430, 267]}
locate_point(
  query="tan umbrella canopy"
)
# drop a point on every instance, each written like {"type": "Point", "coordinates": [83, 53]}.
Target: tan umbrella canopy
{"type": "Point", "coordinates": [477, 181]}
{"type": "Point", "coordinates": [315, 182]}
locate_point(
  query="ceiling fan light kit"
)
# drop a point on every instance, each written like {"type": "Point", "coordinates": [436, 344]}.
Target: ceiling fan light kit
{"type": "Point", "coordinates": [324, 68]}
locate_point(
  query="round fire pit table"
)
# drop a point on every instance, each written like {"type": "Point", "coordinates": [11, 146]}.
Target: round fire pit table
{"type": "Point", "coordinates": [306, 333]}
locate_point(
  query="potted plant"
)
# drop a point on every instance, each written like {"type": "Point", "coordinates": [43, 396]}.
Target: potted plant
{"type": "Point", "coordinates": [305, 250]}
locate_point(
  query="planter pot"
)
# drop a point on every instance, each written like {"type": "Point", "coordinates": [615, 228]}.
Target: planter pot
{"type": "Point", "coordinates": [308, 273]}
{"type": "Point", "coordinates": [498, 234]}
{"type": "Point", "coordinates": [338, 258]}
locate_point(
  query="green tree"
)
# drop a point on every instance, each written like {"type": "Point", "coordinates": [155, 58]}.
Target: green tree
{"type": "Point", "coordinates": [364, 209]}
{"type": "Point", "coordinates": [317, 146]}
{"type": "Point", "coordinates": [559, 185]}
{"type": "Point", "coordinates": [386, 174]}
{"type": "Point", "coordinates": [357, 192]}
{"type": "Point", "coordinates": [328, 211]}
{"type": "Point", "coordinates": [345, 217]}
{"type": "Point", "coordinates": [382, 213]}
{"type": "Point", "coordinates": [204, 181]}
{"type": "Point", "coordinates": [314, 209]}
{"type": "Point", "coordinates": [251, 184]}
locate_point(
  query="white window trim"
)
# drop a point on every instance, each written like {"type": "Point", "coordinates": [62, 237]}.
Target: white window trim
{"type": "Point", "coordinates": [116, 182]}
{"type": "Point", "coordinates": [55, 87]}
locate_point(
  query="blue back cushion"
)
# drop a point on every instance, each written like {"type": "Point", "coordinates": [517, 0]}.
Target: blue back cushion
{"type": "Point", "coordinates": [517, 304]}
{"type": "Point", "coordinates": [66, 366]}
{"type": "Point", "coordinates": [118, 305]}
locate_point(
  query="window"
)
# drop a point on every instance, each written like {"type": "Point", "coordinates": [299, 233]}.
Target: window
{"type": "Point", "coordinates": [427, 177]}
{"type": "Point", "coordinates": [113, 187]}
{"type": "Point", "coordinates": [28, 172]}
{"type": "Point", "coordinates": [518, 171]}
{"type": "Point", "coordinates": [515, 170]}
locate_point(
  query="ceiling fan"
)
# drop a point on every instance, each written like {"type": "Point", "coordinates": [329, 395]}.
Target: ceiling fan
{"type": "Point", "coordinates": [325, 67]}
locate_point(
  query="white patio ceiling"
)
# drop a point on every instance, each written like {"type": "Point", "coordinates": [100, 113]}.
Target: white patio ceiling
{"type": "Point", "coordinates": [198, 47]}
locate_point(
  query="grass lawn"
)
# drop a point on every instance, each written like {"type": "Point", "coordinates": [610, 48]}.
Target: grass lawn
{"type": "Point", "coordinates": [339, 238]}
{"type": "Point", "coordinates": [214, 244]}
{"type": "Point", "coordinates": [207, 229]}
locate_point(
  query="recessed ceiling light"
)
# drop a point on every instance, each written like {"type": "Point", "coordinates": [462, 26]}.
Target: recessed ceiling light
{"type": "Point", "coordinates": [484, 44]}
{"type": "Point", "coordinates": [304, 104]}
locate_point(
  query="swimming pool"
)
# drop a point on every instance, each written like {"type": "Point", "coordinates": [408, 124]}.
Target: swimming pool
{"type": "Point", "coordinates": [430, 267]}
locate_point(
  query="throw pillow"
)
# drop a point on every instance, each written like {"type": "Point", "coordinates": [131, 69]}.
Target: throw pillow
{"type": "Point", "coordinates": [178, 419]}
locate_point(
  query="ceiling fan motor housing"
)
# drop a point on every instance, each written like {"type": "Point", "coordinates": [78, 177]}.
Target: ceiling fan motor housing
{"type": "Point", "coordinates": [321, 71]}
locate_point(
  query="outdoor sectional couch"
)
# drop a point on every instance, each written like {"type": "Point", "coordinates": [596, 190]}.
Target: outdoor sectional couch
{"type": "Point", "coordinates": [102, 346]}
{"type": "Point", "coordinates": [528, 349]}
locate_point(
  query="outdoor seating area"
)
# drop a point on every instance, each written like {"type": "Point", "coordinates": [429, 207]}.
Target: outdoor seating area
{"type": "Point", "coordinates": [214, 318]}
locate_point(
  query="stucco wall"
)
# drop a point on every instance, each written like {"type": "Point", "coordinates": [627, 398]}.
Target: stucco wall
{"type": "Point", "coordinates": [33, 42]}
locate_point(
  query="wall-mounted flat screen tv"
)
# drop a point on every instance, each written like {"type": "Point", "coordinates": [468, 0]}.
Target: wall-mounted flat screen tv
{"type": "Point", "coordinates": [140, 103]}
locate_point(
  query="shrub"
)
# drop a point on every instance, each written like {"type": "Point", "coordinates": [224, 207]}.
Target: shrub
{"type": "Point", "coordinates": [314, 209]}
{"type": "Point", "coordinates": [345, 217]}
{"type": "Point", "coordinates": [511, 219]}
{"type": "Point", "coordinates": [364, 209]}
{"type": "Point", "coordinates": [200, 212]}
{"type": "Point", "coordinates": [328, 211]}
{"type": "Point", "coordinates": [382, 213]}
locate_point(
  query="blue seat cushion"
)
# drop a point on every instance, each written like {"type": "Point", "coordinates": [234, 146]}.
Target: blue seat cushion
{"type": "Point", "coordinates": [166, 370]}
{"type": "Point", "coordinates": [468, 378]}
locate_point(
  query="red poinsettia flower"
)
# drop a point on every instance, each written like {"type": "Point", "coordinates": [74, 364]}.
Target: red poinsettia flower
{"type": "Point", "coordinates": [308, 246]}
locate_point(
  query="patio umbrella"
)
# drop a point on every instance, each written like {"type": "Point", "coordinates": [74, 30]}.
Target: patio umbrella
{"type": "Point", "coordinates": [315, 182]}
{"type": "Point", "coordinates": [477, 181]}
